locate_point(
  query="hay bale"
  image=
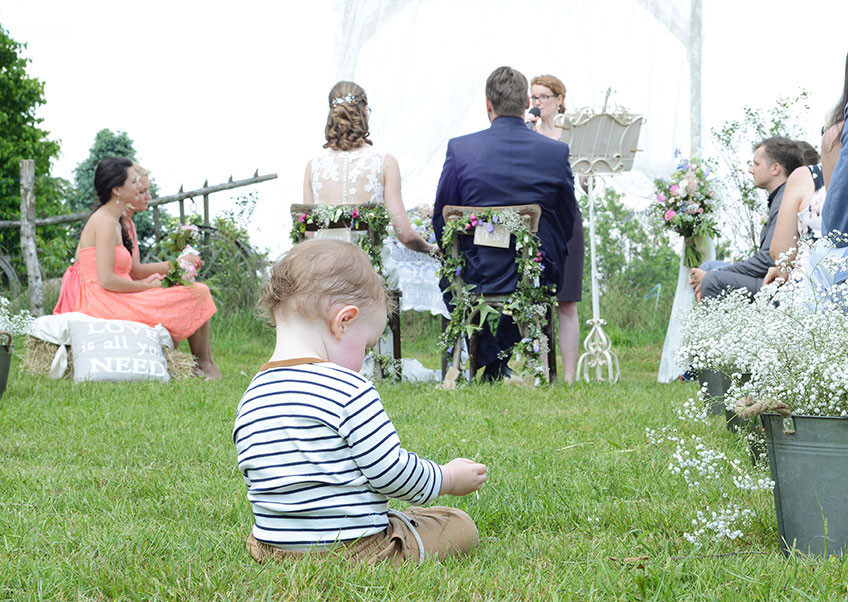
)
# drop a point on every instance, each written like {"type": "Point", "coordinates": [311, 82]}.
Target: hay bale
{"type": "Point", "coordinates": [38, 356]}
{"type": "Point", "coordinates": [180, 363]}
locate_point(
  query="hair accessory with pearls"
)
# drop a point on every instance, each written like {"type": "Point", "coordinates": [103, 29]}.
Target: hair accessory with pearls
{"type": "Point", "coordinates": [347, 98]}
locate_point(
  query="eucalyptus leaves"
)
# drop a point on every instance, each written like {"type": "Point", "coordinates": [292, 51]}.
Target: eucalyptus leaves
{"type": "Point", "coordinates": [526, 305]}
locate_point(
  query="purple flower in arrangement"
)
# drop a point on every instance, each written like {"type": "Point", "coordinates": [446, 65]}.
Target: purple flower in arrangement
{"type": "Point", "coordinates": [706, 171]}
{"type": "Point", "coordinates": [355, 213]}
{"type": "Point", "coordinates": [495, 219]}
{"type": "Point", "coordinates": [458, 270]}
{"type": "Point", "coordinates": [490, 228]}
{"type": "Point", "coordinates": [450, 349]}
{"type": "Point", "coordinates": [535, 346]}
{"type": "Point", "coordinates": [302, 217]}
{"type": "Point", "coordinates": [669, 215]}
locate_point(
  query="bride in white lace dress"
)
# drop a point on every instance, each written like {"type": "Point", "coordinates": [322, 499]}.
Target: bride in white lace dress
{"type": "Point", "coordinates": [350, 171]}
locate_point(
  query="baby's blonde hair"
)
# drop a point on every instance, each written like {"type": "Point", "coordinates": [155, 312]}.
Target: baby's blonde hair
{"type": "Point", "coordinates": [140, 170]}
{"type": "Point", "coordinates": [316, 275]}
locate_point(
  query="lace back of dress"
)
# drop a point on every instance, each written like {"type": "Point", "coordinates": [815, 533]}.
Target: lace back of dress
{"type": "Point", "coordinates": [348, 177]}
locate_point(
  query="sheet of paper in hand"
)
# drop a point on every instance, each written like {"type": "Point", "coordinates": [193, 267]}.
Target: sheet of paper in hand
{"type": "Point", "coordinates": [117, 350]}
{"type": "Point", "coordinates": [492, 235]}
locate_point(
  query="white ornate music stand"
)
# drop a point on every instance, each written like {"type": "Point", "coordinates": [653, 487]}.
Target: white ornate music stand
{"type": "Point", "coordinates": [601, 143]}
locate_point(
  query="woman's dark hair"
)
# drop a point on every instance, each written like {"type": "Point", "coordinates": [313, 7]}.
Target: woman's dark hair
{"type": "Point", "coordinates": [112, 172]}
{"type": "Point", "coordinates": [838, 114]}
{"type": "Point", "coordinates": [347, 122]}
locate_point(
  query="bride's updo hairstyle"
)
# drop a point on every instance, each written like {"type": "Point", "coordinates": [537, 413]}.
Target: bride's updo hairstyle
{"type": "Point", "coordinates": [347, 122]}
{"type": "Point", "coordinates": [554, 84]}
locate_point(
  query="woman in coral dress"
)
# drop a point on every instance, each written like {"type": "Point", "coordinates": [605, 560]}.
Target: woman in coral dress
{"type": "Point", "coordinates": [106, 261]}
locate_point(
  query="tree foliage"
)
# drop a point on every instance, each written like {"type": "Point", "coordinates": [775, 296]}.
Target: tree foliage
{"type": "Point", "coordinates": [109, 144]}
{"type": "Point", "coordinates": [637, 270]}
{"type": "Point", "coordinates": [743, 205]}
{"type": "Point", "coordinates": [21, 137]}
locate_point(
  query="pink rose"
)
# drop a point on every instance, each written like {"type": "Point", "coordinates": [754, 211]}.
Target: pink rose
{"type": "Point", "coordinates": [674, 189]}
{"type": "Point", "coordinates": [355, 213]}
{"type": "Point", "coordinates": [670, 214]}
{"type": "Point", "coordinates": [700, 209]}
{"type": "Point", "coordinates": [302, 217]}
{"type": "Point", "coordinates": [661, 198]}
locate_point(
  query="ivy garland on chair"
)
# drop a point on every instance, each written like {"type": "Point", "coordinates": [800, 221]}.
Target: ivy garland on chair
{"type": "Point", "coordinates": [353, 217]}
{"type": "Point", "coordinates": [526, 304]}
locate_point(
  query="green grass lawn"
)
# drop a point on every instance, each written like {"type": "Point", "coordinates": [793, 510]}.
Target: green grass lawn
{"type": "Point", "coordinates": [131, 491]}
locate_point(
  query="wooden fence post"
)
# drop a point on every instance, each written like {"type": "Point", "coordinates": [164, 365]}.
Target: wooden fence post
{"type": "Point", "coordinates": [28, 247]}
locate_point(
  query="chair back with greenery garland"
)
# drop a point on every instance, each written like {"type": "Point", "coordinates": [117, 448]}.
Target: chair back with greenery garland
{"type": "Point", "coordinates": [530, 304]}
{"type": "Point", "coordinates": [373, 222]}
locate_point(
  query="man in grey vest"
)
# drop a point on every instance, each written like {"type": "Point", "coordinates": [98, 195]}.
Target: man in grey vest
{"type": "Point", "coordinates": [774, 159]}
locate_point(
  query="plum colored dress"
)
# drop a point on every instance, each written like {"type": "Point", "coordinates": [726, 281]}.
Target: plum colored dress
{"type": "Point", "coordinates": [180, 309]}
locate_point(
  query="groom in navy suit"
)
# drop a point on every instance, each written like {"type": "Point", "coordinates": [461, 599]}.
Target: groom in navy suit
{"type": "Point", "coordinates": [507, 164]}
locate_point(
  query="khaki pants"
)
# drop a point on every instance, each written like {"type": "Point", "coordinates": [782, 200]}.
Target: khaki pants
{"type": "Point", "coordinates": [442, 531]}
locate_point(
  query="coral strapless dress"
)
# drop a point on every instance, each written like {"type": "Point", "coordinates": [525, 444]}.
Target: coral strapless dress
{"type": "Point", "coordinates": [180, 309]}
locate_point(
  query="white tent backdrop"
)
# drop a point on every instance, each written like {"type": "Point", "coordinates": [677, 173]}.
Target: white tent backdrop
{"type": "Point", "coordinates": [424, 67]}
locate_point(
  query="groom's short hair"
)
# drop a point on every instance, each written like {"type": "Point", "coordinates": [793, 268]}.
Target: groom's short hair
{"type": "Point", "coordinates": [506, 89]}
{"type": "Point", "coordinates": [782, 150]}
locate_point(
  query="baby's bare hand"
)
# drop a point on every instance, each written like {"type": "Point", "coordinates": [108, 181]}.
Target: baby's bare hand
{"type": "Point", "coordinates": [461, 476]}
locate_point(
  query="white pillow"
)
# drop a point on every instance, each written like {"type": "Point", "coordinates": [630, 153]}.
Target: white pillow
{"type": "Point", "coordinates": [117, 350]}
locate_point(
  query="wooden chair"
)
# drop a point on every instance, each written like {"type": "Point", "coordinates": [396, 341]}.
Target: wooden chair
{"type": "Point", "coordinates": [298, 209]}
{"type": "Point", "coordinates": [531, 215]}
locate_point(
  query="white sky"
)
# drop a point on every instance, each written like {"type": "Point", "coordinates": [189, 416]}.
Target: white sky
{"type": "Point", "coordinates": [218, 88]}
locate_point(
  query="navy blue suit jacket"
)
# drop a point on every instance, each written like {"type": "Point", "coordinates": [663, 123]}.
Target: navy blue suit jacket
{"type": "Point", "coordinates": [509, 164]}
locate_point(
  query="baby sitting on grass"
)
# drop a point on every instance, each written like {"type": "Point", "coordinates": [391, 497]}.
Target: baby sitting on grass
{"type": "Point", "coordinates": [318, 452]}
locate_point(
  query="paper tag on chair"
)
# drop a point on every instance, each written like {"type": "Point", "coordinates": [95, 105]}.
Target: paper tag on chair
{"type": "Point", "coordinates": [334, 234]}
{"type": "Point", "coordinates": [498, 237]}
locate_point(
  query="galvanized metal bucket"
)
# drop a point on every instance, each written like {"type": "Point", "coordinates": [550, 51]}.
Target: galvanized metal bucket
{"type": "Point", "coordinates": [717, 383]}
{"type": "Point", "coordinates": [6, 349]}
{"type": "Point", "coordinates": [808, 458]}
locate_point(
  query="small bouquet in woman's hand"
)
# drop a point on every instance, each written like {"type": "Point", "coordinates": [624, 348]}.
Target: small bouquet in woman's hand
{"type": "Point", "coordinates": [180, 247]}
{"type": "Point", "coordinates": [686, 203]}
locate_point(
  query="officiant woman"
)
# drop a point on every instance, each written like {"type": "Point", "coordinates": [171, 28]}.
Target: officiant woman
{"type": "Point", "coordinates": [547, 93]}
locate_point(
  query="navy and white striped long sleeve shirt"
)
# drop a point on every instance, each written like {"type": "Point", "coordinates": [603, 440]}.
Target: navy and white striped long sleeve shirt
{"type": "Point", "coordinates": [321, 457]}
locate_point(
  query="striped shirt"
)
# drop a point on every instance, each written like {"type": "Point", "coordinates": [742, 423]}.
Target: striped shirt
{"type": "Point", "coordinates": [321, 457]}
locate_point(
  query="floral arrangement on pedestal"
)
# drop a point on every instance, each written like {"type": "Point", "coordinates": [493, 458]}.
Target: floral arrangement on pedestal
{"type": "Point", "coordinates": [686, 204]}
{"type": "Point", "coordinates": [176, 245]}
{"type": "Point", "coordinates": [526, 305]}
{"type": "Point", "coordinates": [355, 217]}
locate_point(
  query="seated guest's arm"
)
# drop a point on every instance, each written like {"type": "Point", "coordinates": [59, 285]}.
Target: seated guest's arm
{"type": "Point", "coordinates": [446, 194]}
{"type": "Point", "coordinates": [799, 188]}
{"type": "Point", "coordinates": [140, 271]}
{"type": "Point", "coordinates": [759, 263]}
{"type": "Point", "coordinates": [104, 243]}
{"type": "Point", "coordinates": [397, 212]}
